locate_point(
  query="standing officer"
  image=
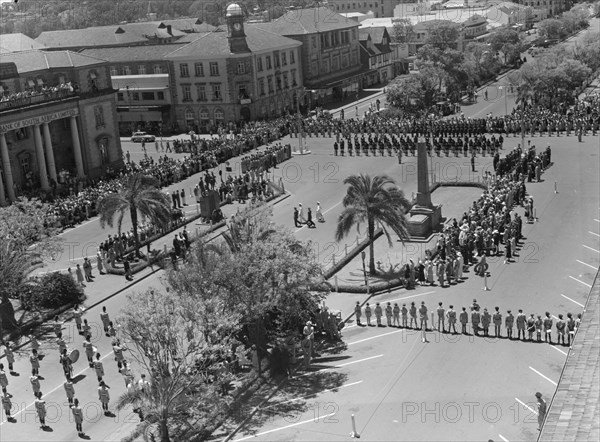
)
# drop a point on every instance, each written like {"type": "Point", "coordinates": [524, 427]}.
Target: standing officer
{"type": "Point", "coordinates": [451, 314]}
{"type": "Point", "coordinates": [486, 318]}
{"type": "Point", "coordinates": [368, 314]}
{"type": "Point", "coordinates": [378, 314]}
{"type": "Point", "coordinates": [548, 322]}
{"type": "Point", "coordinates": [441, 312]}
{"type": "Point", "coordinates": [413, 314]}
{"type": "Point", "coordinates": [570, 328]}
{"type": "Point", "coordinates": [541, 410]}
{"type": "Point", "coordinates": [388, 314]}
{"type": "Point", "coordinates": [357, 313]}
{"type": "Point", "coordinates": [521, 320]}
{"type": "Point", "coordinates": [423, 320]}
{"type": "Point", "coordinates": [396, 313]}
{"type": "Point", "coordinates": [464, 320]}
{"type": "Point", "coordinates": [560, 330]}
{"type": "Point", "coordinates": [475, 320]}
{"type": "Point", "coordinates": [404, 316]}
{"type": "Point", "coordinates": [509, 322]}
{"type": "Point", "coordinates": [497, 318]}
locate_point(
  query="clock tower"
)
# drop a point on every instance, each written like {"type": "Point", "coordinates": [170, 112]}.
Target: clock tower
{"type": "Point", "coordinates": [235, 28]}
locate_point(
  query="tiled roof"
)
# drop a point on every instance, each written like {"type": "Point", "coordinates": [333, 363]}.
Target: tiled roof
{"type": "Point", "coordinates": [574, 414]}
{"type": "Point", "coordinates": [309, 21]}
{"type": "Point", "coordinates": [133, 53]}
{"type": "Point", "coordinates": [32, 61]}
{"type": "Point", "coordinates": [216, 43]}
{"type": "Point", "coordinates": [94, 36]}
{"type": "Point", "coordinates": [151, 29]}
{"type": "Point", "coordinates": [376, 32]}
{"type": "Point", "coordinates": [188, 38]}
{"type": "Point", "coordinates": [18, 42]}
{"type": "Point", "coordinates": [189, 25]}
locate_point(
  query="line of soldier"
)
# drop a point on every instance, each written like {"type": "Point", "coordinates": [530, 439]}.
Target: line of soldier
{"type": "Point", "coordinates": [406, 317]}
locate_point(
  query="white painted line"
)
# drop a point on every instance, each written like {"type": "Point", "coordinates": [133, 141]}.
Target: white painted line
{"type": "Point", "coordinates": [526, 406]}
{"type": "Point", "coordinates": [572, 300]}
{"type": "Point", "coordinates": [308, 373]}
{"type": "Point", "coordinates": [332, 207]}
{"type": "Point", "coordinates": [315, 420]}
{"type": "Point", "coordinates": [350, 326]}
{"type": "Point", "coordinates": [308, 397]}
{"type": "Point", "coordinates": [597, 220]}
{"type": "Point", "coordinates": [586, 264]}
{"type": "Point", "coordinates": [581, 282]}
{"type": "Point", "coordinates": [558, 349]}
{"type": "Point", "coordinates": [593, 250]}
{"type": "Point", "coordinates": [375, 337]}
{"type": "Point", "coordinates": [593, 233]}
{"type": "Point", "coordinates": [503, 438]}
{"type": "Point", "coordinates": [409, 297]}
{"type": "Point", "coordinates": [555, 317]}
{"type": "Point", "coordinates": [545, 377]}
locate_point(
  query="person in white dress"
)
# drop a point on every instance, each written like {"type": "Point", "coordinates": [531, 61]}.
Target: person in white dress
{"type": "Point", "coordinates": [319, 213]}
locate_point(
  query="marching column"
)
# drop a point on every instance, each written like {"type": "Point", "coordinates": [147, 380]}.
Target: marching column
{"type": "Point", "coordinates": [8, 177]}
{"type": "Point", "coordinates": [49, 152]}
{"type": "Point", "coordinates": [77, 148]}
{"type": "Point", "coordinates": [39, 151]}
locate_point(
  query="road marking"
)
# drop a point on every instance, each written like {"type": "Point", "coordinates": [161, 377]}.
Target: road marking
{"type": "Point", "coordinates": [593, 250]}
{"type": "Point", "coordinates": [375, 337]}
{"type": "Point", "coordinates": [584, 283]}
{"type": "Point", "coordinates": [331, 208]}
{"type": "Point", "coordinates": [545, 377]}
{"type": "Point", "coordinates": [526, 406]}
{"type": "Point", "coordinates": [555, 317]}
{"type": "Point", "coordinates": [286, 427]}
{"type": "Point", "coordinates": [503, 438]}
{"type": "Point", "coordinates": [572, 300]}
{"type": "Point", "coordinates": [308, 397]}
{"type": "Point", "coordinates": [558, 349]}
{"type": "Point", "coordinates": [56, 388]}
{"type": "Point", "coordinates": [586, 264]}
{"type": "Point", "coordinates": [597, 220]}
{"type": "Point", "coordinates": [308, 373]}
{"type": "Point", "coordinates": [593, 233]}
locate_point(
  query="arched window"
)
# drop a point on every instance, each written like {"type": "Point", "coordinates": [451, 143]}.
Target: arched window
{"type": "Point", "coordinates": [219, 116]}
{"type": "Point", "coordinates": [204, 116]}
{"type": "Point", "coordinates": [189, 115]}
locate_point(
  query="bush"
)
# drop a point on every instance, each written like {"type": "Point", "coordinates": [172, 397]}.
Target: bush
{"type": "Point", "coordinates": [51, 291]}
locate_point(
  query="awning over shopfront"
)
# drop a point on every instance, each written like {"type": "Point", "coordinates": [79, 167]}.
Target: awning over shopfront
{"type": "Point", "coordinates": [139, 113]}
{"type": "Point", "coordinates": [150, 82]}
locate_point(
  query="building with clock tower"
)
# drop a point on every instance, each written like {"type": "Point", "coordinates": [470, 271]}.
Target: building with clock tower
{"type": "Point", "coordinates": [235, 27]}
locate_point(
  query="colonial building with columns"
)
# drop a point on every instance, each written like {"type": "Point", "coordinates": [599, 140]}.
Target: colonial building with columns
{"type": "Point", "coordinates": [58, 120]}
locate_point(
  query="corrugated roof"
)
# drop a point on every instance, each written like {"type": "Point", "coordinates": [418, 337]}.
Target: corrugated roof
{"type": "Point", "coordinates": [133, 53]}
{"type": "Point", "coordinates": [216, 43]}
{"type": "Point", "coordinates": [18, 42]}
{"type": "Point", "coordinates": [32, 61]}
{"type": "Point", "coordinates": [94, 36]}
{"type": "Point", "coordinates": [309, 21]}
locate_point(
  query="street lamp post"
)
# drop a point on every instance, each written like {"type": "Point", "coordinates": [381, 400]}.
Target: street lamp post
{"type": "Point", "coordinates": [505, 90]}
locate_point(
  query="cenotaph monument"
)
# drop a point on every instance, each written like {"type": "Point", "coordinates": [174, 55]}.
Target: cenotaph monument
{"type": "Point", "coordinates": [425, 218]}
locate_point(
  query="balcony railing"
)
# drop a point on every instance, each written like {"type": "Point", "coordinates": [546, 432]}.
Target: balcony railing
{"type": "Point", "coordinates": [16, 101]}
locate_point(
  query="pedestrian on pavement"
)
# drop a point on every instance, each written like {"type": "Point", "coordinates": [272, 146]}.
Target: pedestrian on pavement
{"type": "Point", "coordinates": [464, 320]}
{"type": "Point", "coordinates": [69, 390]}
{"type": "Point", "coordinates": [423, 320]}
{"type": "Point", "coordinates": [127, 269]}
{"type": "Point", "coordinates": [378, 314]}
{"type": "Point", "coordinates": [413, 315]}
{"type": "Point", "coordinates": [368, 314]}
{"type": "Point", "coordinates": [404, 311]}
{"type": "Point", "coordinates": [451, 314]}
{"type": "Point", "coordinates": [104, 396]}
{"type": "Point", "coordinates": [77, 417]}
{"type": "Point", "coordinates": [99, 367]}
{"type": "Point", "coordinates": [548, 323]}
{"type": "Point", "coordinates": [118, 352]}
{"type": "Point", "coordinates": [389, 313]}
{"type": "Point", "coordinates": [296, 215]}
{"type": "Point", "coordinates": [62, 345]}
{"type": "Point", "coordinates": [7, 405]}
{"type": "Point", "coordinates": [319, 213]}
{"type": "Point", "coordinates": [306, 349]}
{"type": "Point", "coordinates": [79, 275]}
{"type": "Point", "coordinates": [35, 344]}
{"type": "Point", "coordinates": [542, 407]}
{"type": "Point", "coordinates": [10, 356]}
{"type": "Point", "coordinates": [357, 312]}
{"type": "Point", "coordinates": [441, 312]}
{"type": "Point", "coordinates": [87, 269]}
{"type": "Point", "coordinates": [112, 332]}
{"type": "Point", "coordinates": [105, 320]}
{"type": "Point", "coordinates": [309, 221]}
{"type": "Point", "coordinates": [521, 324]}
{"type": "Point", "coordinates": [560, 330]}
{"type": "Point", "coordinates": [127, 374]}
{"type": "Point", "coordinates": [475, 320]}
{"type": "Point", "coordinates": [57, 326]}
{"type": "Point", "coordinates": [301, 218]}
{"type": "Point", "coordinates": [35, 383]}
{"type": "Point", "coordinates": [497, 318]}
{"type": "Point", "coordinates": [396, 313]}
{"type": "Point", "coordinates": [509, 323]}
{"type": "Point", "coordinates": [35, 362]}
{"type": "Point", "coordinates": [40, 407]}
{"type": "Point", "coordinates": [99, 262]}
{"type": "Point", "coordinates": [3, 379]}
{"type": "Point", "coordinates": [77, 314]}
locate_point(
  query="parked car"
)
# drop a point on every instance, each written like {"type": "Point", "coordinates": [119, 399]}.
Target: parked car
{"type": "Point", "coordinates": [139, 137]}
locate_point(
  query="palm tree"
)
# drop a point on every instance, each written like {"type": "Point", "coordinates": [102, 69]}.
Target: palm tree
{"type": "Point", "coordinates": [373, 200]}
{"type": "Point", "coordinates": [140, 193]}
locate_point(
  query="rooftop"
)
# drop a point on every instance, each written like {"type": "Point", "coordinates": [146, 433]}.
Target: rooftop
{"type": "Point", "coordinates": [18, 42]}
{"type": "Point", "coordinates": [309, 21]}
{"type": "Point", "coordinates": [36, 60]}
{"type": "Point", "coordinates": [133, 53]}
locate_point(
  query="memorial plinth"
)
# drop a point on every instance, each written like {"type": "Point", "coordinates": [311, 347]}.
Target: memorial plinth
{"type": "Point", "coordinates": [425, 218]}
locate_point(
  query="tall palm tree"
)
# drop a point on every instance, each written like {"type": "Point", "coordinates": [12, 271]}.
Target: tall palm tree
{"type": "Point", "coordinates": [373, 200]}
{"type": "Point", "coordinates": [140, 194]}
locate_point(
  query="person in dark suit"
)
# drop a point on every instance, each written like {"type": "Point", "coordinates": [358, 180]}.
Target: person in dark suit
{"type": "Point", "coordinates": [309, 221]}
{"type": "Point", "coordinates": [296, 223]}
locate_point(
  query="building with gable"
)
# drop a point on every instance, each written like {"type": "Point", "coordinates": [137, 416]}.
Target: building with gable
{"type": "Point", "coordinates": [376, 55]}
{"type": "Point", "coordinates": [58, 120]}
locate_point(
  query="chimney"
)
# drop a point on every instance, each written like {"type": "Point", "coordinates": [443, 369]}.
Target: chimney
{"type": "Point", "coordinates": [169, 30]}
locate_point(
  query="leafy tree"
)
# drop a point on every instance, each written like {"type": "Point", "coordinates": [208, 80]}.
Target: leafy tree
{"type": "Point", "coordinates": [588, 51]}
{"type": "Point", "coordinates": [403, 31]}
{"type": "Point", "coordinates": [507, 41]}
{"type": "Point", "coordinates": [140, 194]}
{"type": "Point", "coordinates": [373, 201]}
{"type": "Point", "coordinates": [169, 344]}
{"type": "Point", "coordinates": [442, 34]}
{"type": "Point", "coordinates": [550, 29]}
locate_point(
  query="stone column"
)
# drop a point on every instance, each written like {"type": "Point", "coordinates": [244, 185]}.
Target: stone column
{"type": "Point", "coordinates": [39, 152]}
{"type": "Point", "coordinates": [10, 185]}
{"type": "Point", "coordinates": [49, 152]}
{"type": "Point", "coordinates": [2, 196]}
{"type": "Point", "coordinates": [423, 193]}
{"type": "Point", "coordinates": [77, 148]}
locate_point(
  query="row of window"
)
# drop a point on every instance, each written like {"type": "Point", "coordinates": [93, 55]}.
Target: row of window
{"type": "Point", "coordinates": [333, 64]}
{"type": "Point", "coordinates": [141, 70]}
{"type": "Point", "coordinates": [278, 59]}
{"type": "Point", "coordinates": [213, 69]}
{"type": "Point", "coordinates": [282, 82]}
{"type": "Point", "coordinates": [204, 115]}
{"type": "Point", "coordinates": [334, 38]}
{"type": "Point", "coordinates": [144, 96]}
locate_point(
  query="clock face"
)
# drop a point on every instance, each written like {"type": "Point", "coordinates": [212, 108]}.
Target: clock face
{"type": "Point", "coordinates": [237, 26]}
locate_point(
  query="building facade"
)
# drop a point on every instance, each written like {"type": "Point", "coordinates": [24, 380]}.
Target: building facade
{"type": "Point", "coordinates": [330, 61]}
{"type": "Point", "coordinates": [243, 74]}
{"type": "Point", "coordinates": [58, 119]}
{"type": "Point", "coordinates": [377, 56]}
